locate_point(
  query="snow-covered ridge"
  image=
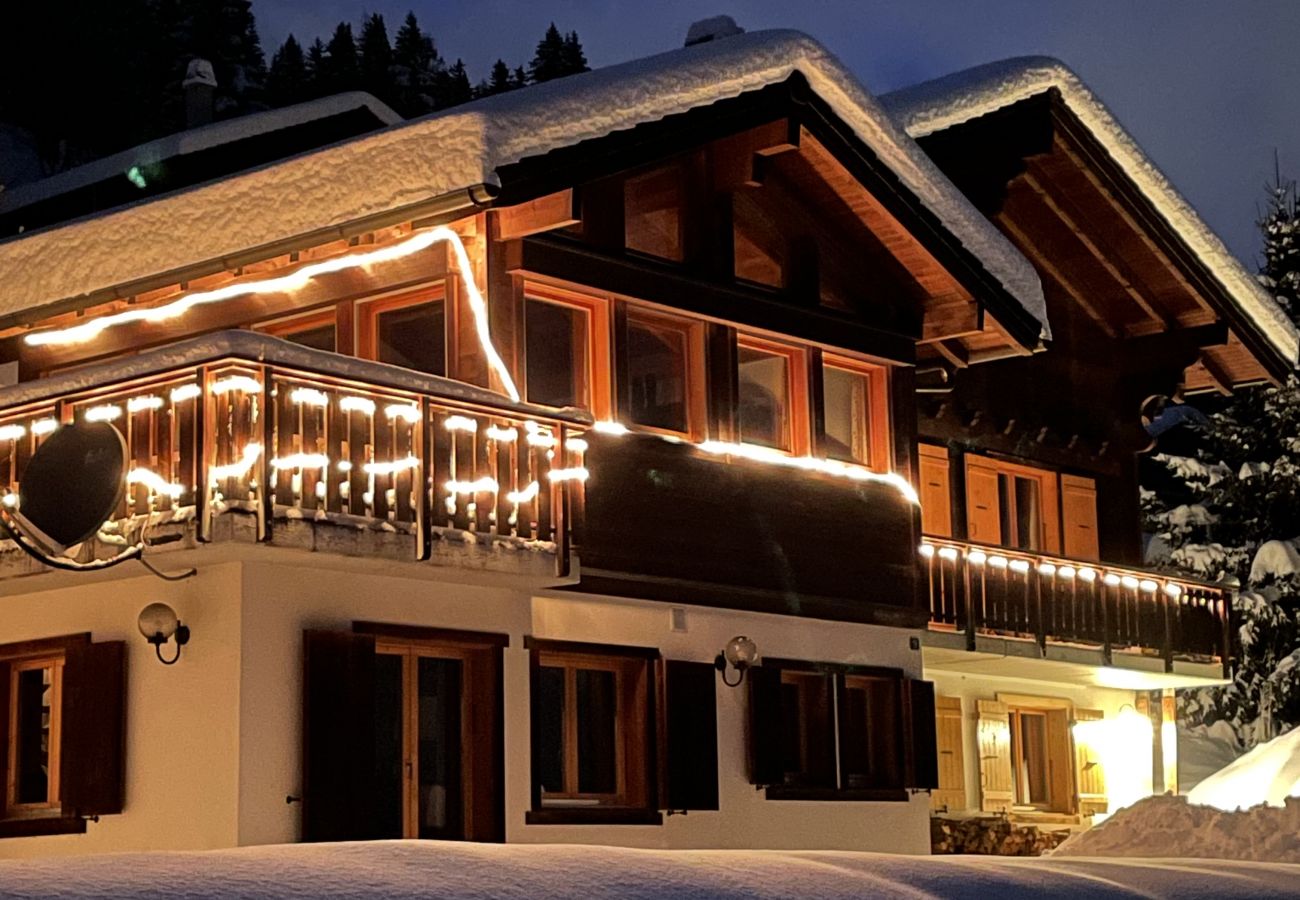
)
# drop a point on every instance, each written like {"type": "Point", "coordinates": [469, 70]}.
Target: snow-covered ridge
{"type": "Point", "coordinates": [464, 147]}
{"type": "Point", "coordinates": [953, 99]}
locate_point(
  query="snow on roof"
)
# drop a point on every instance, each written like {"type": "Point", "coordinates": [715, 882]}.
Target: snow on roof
{"type": "Point", "coordinates": [464, 147]}
{"type": "Point", "coordinates": [460, 870]}
{"type": "Point", "coordinates": [953, 99]}
{"type": "Point", "coordinates": [192, 141]}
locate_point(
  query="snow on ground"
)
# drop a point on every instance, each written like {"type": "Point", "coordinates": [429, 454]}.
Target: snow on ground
{"type": "Point", "coordinates": [1204, 750]}
{"type": "Point", "coordinates": [1269, 773]}
{"type": "Point", "coordinates": [1170, 827]}
{"type": "Point", "coordinates": [410, 869]}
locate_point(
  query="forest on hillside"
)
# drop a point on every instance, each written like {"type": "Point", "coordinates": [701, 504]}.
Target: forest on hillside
{"type": "Point", "coordinates": [84, 85]}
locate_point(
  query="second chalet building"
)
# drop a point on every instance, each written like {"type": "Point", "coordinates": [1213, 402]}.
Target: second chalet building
{"type": "Point", "coordinates": [487, 433]}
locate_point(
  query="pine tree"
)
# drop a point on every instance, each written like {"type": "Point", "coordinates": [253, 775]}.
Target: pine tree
{"type": "Point", "coordinates": [377, 59]}
{"type": "Point", "coordinates": [418, 70]}
{"type": "Point", "coordinates": [223, 32]}
{"type": "Point", "coordinates": [549, 59]}
{"type": "Point", "coordinates": [316, 69]}
{"type": "Point", "coordinates": [1281, 274]}
{"type": "Point", "coordinates": [499, 81]}
{"type": "Point", "coordinates": [288, 80]}
{"type": "Point", "coordinates": [456, 88]}
{"type": "Point", "coordinates": [573, 58]}
{"type": "Point", "coordinates": [520, 77]}
{"type": "Point", "coordinates": [342, 68]}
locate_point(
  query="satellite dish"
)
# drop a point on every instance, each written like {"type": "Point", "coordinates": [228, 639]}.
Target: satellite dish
{"type": "Point", "coordinates": [72, 485]}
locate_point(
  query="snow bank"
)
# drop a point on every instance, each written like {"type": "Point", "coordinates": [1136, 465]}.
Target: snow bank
{"type": "Point", "coordinates": [464, 147]}
{"type": "Point", "coordinates": [1269, 773]}
{"type": "Point", "coordinates": [410, 869]}
{"type": "Point", "coordinates": [1171, 827]}
{"type": "Point", "coordinates": [944, 102]}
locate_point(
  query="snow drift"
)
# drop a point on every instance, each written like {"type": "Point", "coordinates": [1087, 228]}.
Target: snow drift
{"type": "Point", "coordinates": [1269, 773]}
{"type": "Point", "coordinates": [1169, 826]}
{"type": "Point", "coordinates": [409, 869]}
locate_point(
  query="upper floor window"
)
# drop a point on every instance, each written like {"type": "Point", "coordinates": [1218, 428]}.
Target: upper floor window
{"type": "Point", "coordinates": [773, 395]}
{"type": "Point", "coordinates": [409, 330]}
{"type": "Point", "coordinates": [855, 412]}
{"type": "Point", "coordinates": [652, 205]}
{"type": "Point", "coordinates": [317, 330]}
{"type": "Point", "coordinates": [1011, 505]}
{"type": "Point", "coordinates": [665, 371]}
{"type": "Point", "coordinates": [566, 357]}
{"type": "Point", "coordinates": [760, 247]}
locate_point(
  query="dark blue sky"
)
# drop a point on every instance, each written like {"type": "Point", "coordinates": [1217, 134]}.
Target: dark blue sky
{"type": "Point", "coordinates": [1210, 89]}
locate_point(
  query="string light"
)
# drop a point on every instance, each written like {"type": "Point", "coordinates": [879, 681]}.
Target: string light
{"type": "Point", "coordinates": [251, 454]}
{"type": "Point", "coordinates": [407, 412]}
{"type": "Point", "coordinates": [810, 463]}
{"type": "Point", "coordinates": [42, 427]}
{"type": "Point", "coordinates": [1019, 565]}
{"type": "Point", "coordinates": [609, 427]}
{"type": "Point", "coordinates": [575, 445]}
{"type": "Point", "coordinates": [358, 404]}
{"type": "Point", "coordinates": [301, 461]}
{"type": "Point", "coordinates": [577, 473]}
{"type": "Point", "coordinates": [948, 553]}
{"type": "Point", "coordinates": [154, 482]}
{"type": "Point", "coordinates": [998, 562]}
{"type": "Point", "coordinates": [504, 435]}
{"type": "Point", "coordinates": [241, 384]}
{"type": "Point", "coordinates": [976, 557]}
{"type": "Point", "coordinates": [1148, 585]}
{"type": "Point", "coordinates": [391, 468]}
{"type": "Point", "coordinates": [11, 432]}
{"type": "Point", "coordinates": [1111, 579]}
{"type": "Point", "coordinates": [484, 484]}
{"type": "Point", "coordinates": [103, 413]}
{"type": "Point", "coordinates": [1047, 569]}
{"type": "Point", "coordinates": [309, 397]}
{"type": "Point", "coordinates": [926, 550]}
{"type": "Point", "coordinates": [185, 392]}
{"type": "Point", "coordinates": [143, 402]}
{"type": "Point", "coordinates": [460, 423]}
{"type": "Point", "coordinates": [1173, 590]}
{"type": "Point", "coordinates": [1088, 575]}
{"type": "Point", "coordinates": [525, 495]}
{"type": "Point", "coordinates": [540, 439]}
{"type": "Point", "coordinates": [1129, 582]}
{"type": "Point", "coordinates": [295, 281]}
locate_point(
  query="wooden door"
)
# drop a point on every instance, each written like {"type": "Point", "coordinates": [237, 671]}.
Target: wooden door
{"type": "Point", "coordinates": [994, 742]}
{"type": "Point", "coordinates": [951, 793]}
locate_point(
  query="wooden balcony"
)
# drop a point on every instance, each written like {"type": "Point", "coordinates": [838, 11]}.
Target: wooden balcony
{"type": "Point", "coordinates": [243, 435]}
{"type": "Point", "coordinates": [978, 589]}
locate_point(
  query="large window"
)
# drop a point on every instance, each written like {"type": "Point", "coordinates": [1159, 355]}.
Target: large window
{"type": "Point", "coordinates": [566, 352]}
{"type": "Point", "coordinates": [773, 392]}
{"type": "Point", "coordinates": [652, 208]}
{"type": "Point", "coordinates": [855, 412]}
{"type": "Point", "coordinates": [1012, 505]}
{"type": "Point", "coordinates": [665, 377]}
{"type": "Point", "coordinates": [408, 331]}
{"type": "Point", "coordinates": [839, 731]}
{"type": "Point", "coordinates": [317, 330]}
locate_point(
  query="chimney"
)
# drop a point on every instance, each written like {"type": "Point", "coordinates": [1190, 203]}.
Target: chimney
{"type": "Point", "coordinates": [712, 29]}
{"type": "Point", "coordinates": [199, 87]}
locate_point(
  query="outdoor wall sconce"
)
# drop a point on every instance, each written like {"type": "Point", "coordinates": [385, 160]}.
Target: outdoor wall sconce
{"type": "Point", "coordinates": [740, 653]}
{"type": "Point", "coordinates": [158, 624]}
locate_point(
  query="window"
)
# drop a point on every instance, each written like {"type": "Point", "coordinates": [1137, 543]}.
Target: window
{"type": "Point", "coordinates": [1029, 758]}
{"type": "Point", "coordinates": [761, 248]}
{"type": "Point", "coordinates": [652, 209]}
{"type": "Point", "coordinates": [62, 727]}
{"type": "Point", "coordinates": [773, 391]}
{"type": "Point", "coordinates": [1011, 505]}
{"type": "Point", "coordinates": [826, 730]}
{"type": "Point", "coordinates": [664, 370]}
{"type": "Point", "coordinates": [566, 356]}
{"type": "Point", "coordinates": [409, 331]}
{"type": "Point", "coordinates": [855, 412]}
{"type": "Point", "coordinates": [315, 330]}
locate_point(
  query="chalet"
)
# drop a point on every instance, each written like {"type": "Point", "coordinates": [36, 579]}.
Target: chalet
{"type": "Point", "coordinates": [1047, 642]}
{"type": "Point", "coordinates": [592, 463]}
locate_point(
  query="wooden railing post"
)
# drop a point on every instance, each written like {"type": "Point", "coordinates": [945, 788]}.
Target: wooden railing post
{"type": "Point", "coordinates": [203, 446]}
{"type": "Point", "coordinates": [561, 510]}
{"type": "Point", "coordinates": [972, 625]}
{"type": "Point", "coordinates": [1106, 642]}
{"type": "Point", "coordinates": [1166, 637]}
{"type": "Point", "coordinates": [424, 496]}
{"type": "Point", "coordinates": [266, 412]}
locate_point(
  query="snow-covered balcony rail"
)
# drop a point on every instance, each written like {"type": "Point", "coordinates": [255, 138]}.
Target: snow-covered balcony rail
{"type": "Point", "coordinates": [983, 589]}
{"type": "Point", "coordinates": [243, 422]}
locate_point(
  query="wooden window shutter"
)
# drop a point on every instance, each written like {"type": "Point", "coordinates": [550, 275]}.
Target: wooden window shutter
{"type": "Point", "coordinates": [766, 763]}
{"type": "Point", "coordinates": [1079, 517]}
{"type": "Point", "coordinates": [983, 517]}
{"type": "Point", "coordinates": [1091, 776]}
{"type": "Point", "coordinates": [922, 765]}
{"type": "Point", "coordinates": [950, 795]}
{"type": "Point", "coordinates": [93, 767]}
{"type": "Point", "coordinates": [935, 492]}
{"type": "Point", "coordinates": [688, 745]}
{"type": "Point", "coordinates": [338, 730]}
{"type": "Point", "coordinates": [994, 740]}
{"type": "Point", "coordinates": [1060, 772]}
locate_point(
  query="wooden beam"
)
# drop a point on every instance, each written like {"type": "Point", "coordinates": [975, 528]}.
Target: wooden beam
{"type": "Point", "coordinates": [542, 214]}
{"type": "Point", "coordinates": [953, 352]}
{"type": "Point", "coordinates": [951, 320]}
{"type": "Point", "coordinates": [739, 160]}
{"type": "Point", "coordinates": [1112, 267]}
{"type": "Point", "coordinates": [1029, 247]}
{"type": "Point", "coordinates": [1221, 380]}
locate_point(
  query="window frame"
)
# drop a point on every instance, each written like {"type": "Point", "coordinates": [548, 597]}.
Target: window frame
{"type": "Point", "coordinates": [597, 353]}
{"type": "Point", "coordinates": [798, 423]}
{"type": "Point", "coordinates": [286, 326]}
{"type": "Point", "coordinates": [1048, 495]}
{"type": "Point", "coordinates": [368, 310]}
{"type": "Point", "coordinates": [878, 418]}
{"type": "Point", "coordinates": [695, 381]}
{"type": "Point", "coordinates": [1053, 710]}
{"type": "Point", "coordinates": [52, 806]}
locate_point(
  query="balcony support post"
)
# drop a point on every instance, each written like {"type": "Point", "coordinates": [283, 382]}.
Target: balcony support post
{"type": "Point", "coordinates": [423, 450]}
{"type": "Point", "coordinates": [1040, 627]}
{"type": "Point", "coordinates": [267, 412]}
{"type": "Point", "coordinates": [1166, 635]}
{"type": "Point", "coordinates": [560, 510]}
{"type": "Point", "coordinates": [1106, 651]}
{"type": "Point", "coordinates": [968, 601]}
{"type": "Point", "coordinates": [203, 446]}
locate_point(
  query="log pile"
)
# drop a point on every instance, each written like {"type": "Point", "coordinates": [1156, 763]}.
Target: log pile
{"type": "Point", "coordinates": [990, 836]}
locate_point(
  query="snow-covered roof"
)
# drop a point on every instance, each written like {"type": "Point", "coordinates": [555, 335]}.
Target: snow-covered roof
{"type": "Point", "coordinates": [464, 147]}
{"type": "Point", "coordinates": [953, 99]}
{"type": "Point", "coordinates": [194, 140]}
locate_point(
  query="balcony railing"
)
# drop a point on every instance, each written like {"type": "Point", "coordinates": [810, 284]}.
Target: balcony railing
{"type": "Point", "coordinates": [244, 422]}
{"type": "Point", "coordinates": [981, 589]}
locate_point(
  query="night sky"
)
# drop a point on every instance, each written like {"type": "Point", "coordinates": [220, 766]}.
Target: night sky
{"type": "Point", "coordinates": [1203, 86]}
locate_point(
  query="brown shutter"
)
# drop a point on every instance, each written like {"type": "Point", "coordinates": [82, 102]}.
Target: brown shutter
{"type": "Point", "coordinates": [951, 792]}
{"type": "Point", "coordinates": [338, 730]}
{"type": "Point", "coordinates": [1089, 771]}
{"type": "Point", "coordinates": [765, 738]}
{"type": "Point", "coordinates": [687, 701]}
{"type": "Point", "coordinates": [994, 739]}
{"type": "Point", "coordinates": [936, 496]}
{"type": "Point", "coordinates": [93, 749]}
{"type": "Point", "coordinates": [1079, 517]}
{"type": "Point", "coordinates": [983, 518]}
{"type": "Point", "coordinates": [922, 766]}
{"type": "Point", "coordinates": [1060, 767]}
{"type": "Point", "coordinates": [486, 769]}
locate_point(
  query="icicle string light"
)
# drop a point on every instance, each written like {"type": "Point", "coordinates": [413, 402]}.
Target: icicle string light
{"type": "Point", "coordinates": [391, 468]}
{"type": "Point", "coordinates": [143, 402]}
{"type": "Point", "coordinates": [295, 281]}
{"type": "Point", "coordinates": [107, 413]}
{"type": "Point", "coordinates": [251, 454]}
{"type": "Point", "coordinates": [243, 384]}
{"type": "Point", "coordinates": [525, 495]}
{"type": "Point", "coordinates": [407, 412]}
{"type": "Point", "coordinates": [154, 482]}
{"type": "Point", "coordinates": [460, 423]}
{"type": "Point", "coordinates": [185, 392]}
{"type": "Point", "coordinates": [42, 427]}
{"type": "Point", "coordinates": [309, 397]}
{"type": "Point", "coordinates": [358, 404]}
{"type": "Point", "coordinates": [11, 432]}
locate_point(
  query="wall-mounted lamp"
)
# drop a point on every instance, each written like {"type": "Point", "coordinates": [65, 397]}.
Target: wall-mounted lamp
{"type": "Point", "coordinates": [740, 653]}
{"type": "Point", "coordinates": [158, 624]}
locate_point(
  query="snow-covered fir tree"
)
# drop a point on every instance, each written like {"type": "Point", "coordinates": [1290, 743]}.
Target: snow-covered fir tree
{"type": "Point", "coordinates": [418, 70]}
{"type": "Point", "coordinates": [1229, 504]}
{"type": "Point", "coordinates": [289, 79]}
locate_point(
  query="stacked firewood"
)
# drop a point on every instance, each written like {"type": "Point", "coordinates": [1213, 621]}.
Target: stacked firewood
{"type": "Point", "coordinates": [990, 836]}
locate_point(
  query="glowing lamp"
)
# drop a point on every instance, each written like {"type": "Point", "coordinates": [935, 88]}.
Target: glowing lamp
{"type": "Point", "coordinates": [740, 653]}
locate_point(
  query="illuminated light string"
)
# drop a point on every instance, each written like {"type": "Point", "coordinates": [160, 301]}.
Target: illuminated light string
{"type": "Point", "coordinates": [358, 404]}
{"type": "Point", "coordinates": [407, 412]}
{"type": "Point", "coordinates": [11, 432]}
{"type": "Point", "coordinates": [504, 435]}
{"type": "Point", "coordinates": [107, 413]}
{"type": "Point", "coordinates": [295, 281]}
{"type": "Point", "coordinates": [144, 402]}
{"type": "Point", "coordinates": [978, 557]}
{"type": "Point", "coordinates": [185, 392]}
{"type": "Point", "coordinates": [242, 384]}
{"type": "Point", "coordinates": [525, 495]}
{"type": "Point", "coordinates": [154, 482]}
{"type": "Point", "coordinates": [460, 423]}
{"type": "Point", "coordinates": [42, 427]}
{"type": "Point", "coordinates": [305, 396]}
{"type": "Point", "coordinates": [391, 468]}
{"type": "Point", "coordinates": [252, 453]}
